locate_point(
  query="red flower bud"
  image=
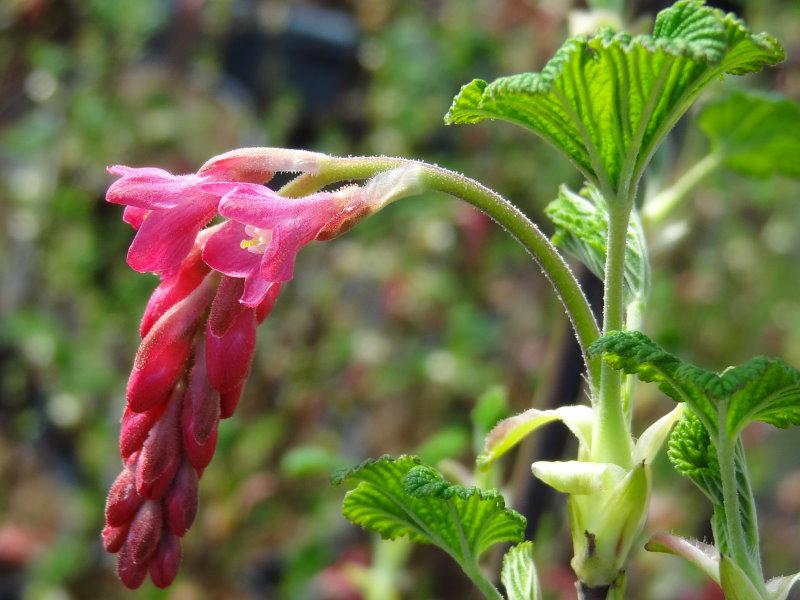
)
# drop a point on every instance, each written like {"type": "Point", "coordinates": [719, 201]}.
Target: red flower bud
{"type": "Point", "coordinates": [162, 354]}
{"type": "Point", "coordinates": [144, 534]}
{"type": "Point", "coordinates": [258, 165]}
{"type": "Point", "coordinates": [176, 287]}
{"type": "Point", "coordinates": [114, 537]}
{"type": "Point", "coordinates": [230, 336]}
{"type": "Point", "coordinates": [131, 573]}
{"type": "Point", "coordinates": [161, 452]}
{"type": "Point", "coordinates": [164, 565]}
{"type": "Point", "coordinates": [122, 501]}
{"type": "Point", "coordinates": [228, 401]}
{"type": "Point", "coordinates": [135, 427]}
{"type": "Point", "coordinates": [200, 417]}
{"type": "Point", "coordinates": [181, 501]}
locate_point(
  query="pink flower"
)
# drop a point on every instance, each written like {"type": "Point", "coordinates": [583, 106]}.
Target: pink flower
{"type": "Point", "coordinates": [264, 235]}
{"type": "Point", "coordinates": [266, 231]}
{"type": "Point", "coordinates": [167, 210]}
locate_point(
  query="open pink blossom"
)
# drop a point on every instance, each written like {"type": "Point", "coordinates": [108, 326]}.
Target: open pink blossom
{"type": "Point", "coordinates": [266, 231]}
{"type": "Point", "coordinates": [264, 235]}
{"type": "Point", "coordinates": [167, 211]}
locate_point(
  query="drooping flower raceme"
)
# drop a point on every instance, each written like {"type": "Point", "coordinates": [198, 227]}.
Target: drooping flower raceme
{"type": "Point", "coordinates": [199, 327]}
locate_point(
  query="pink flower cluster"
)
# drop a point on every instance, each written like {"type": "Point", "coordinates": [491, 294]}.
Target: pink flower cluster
{"type": "Point", "coordinates": [218, 282]}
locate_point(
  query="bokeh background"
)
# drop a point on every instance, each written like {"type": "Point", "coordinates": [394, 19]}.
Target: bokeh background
{"type": "Point", "coordinates": [388, 337]}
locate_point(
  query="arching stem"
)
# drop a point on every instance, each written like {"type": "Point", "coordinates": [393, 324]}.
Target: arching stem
{"type": "Point", "coordinates": [495, 206]}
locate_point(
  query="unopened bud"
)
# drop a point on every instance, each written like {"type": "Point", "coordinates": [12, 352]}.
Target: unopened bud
{"type": "Point", "coordinates": [228, 400]}
{"type": "Point", "coordinates": [174, 288]}
{"type": "Point", "coordinates": [135, 427]}
{"type": "Point", "coordinates": [144, 534]}
{"type": "Point", "coordinates": [162, 354]}
{"type": "Point", "coordinates": [200, 417]}
{"type": "Point", "coordinates": [114, 537]}
{"type": "Point", "coordinates": [131, 573]}
{"type": "Point", "coordinates": [230, 336]}
{"type": "Point", "coordinates": [123, 501]}
{"type": "Point", "coordinates": [258, 165]}
{"type": "Point", "coordinates": [160, 456]}
{"type": "Point", "coordinates": [181, 500]}
{"type": "Point", "coordinates": [164, 565]}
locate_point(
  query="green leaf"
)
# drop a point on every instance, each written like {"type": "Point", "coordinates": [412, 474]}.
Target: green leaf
{"type": "Point", "coordinates": [608, 100]}
{"type": "Point", "coordinates": [762, 389]}
{"type": "Point", "coordinates": [735, 584]}
{"type": "Point", "coordinates": [706, 446]}
{"type": "Point", "coordinates": [401, 497]}
{"type": "Point", "coordinates": [779, 587]}
{"type": "Point", "coordinates": [577, 477]}
{"type": "Point", "coordinates": [636, 354]}
{"type": "Point", "coordinates": [582, 222]}
{"type": "Point", "coordinates": [755, 133]}
{"type": "Point", "coordinates": [491, 407]}
{"type": "Point", "coordinates": [652, 438]}
{"type": "Point", "coordinates": [703, 556]}
{"type": "Point", "coordinates": [693, 455]}
{"type": "Point", "coordinates": [519, 573]}
{"type": "Point", "coordinates": [511, 431]}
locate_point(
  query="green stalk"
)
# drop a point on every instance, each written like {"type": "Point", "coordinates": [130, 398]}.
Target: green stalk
{"type": "Point", "coordinates": [730, 498]}
{"type": "Point", "coordinates": [611, 440]}
{"type": "Point", "coordinates": [493, 204]}
{"type": "Point", "coordinates": [665, 202]}
{"type": "Point", "coordinates": [484, 585]}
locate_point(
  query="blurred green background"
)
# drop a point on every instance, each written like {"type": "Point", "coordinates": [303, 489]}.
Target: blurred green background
{"type": "Point", "coordinates": [387, 337]}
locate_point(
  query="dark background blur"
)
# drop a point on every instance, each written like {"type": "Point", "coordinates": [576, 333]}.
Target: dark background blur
{"type": "Point", "coordinates": [387, 336]}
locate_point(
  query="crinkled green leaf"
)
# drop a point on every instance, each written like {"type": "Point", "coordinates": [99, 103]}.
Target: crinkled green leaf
{"type": "Point", "coordinates": [401, 497]}
{"type": "Point", "coordinates": [608, 100]}
{"type": "Point", "coordinates": [582, 222]}
{"type": "Point", "coordinates": [755, 133]}
{"type": "Point", "coordinates": [693, 454]}
{"type": "Point", "coordinates": [762, 389]}
{"type": "Point", "coordinates": [636, 354]}
{"type": "Point", "coordinates": [719, 406]}
{"type": "Point", "coordinates": [519, 573]}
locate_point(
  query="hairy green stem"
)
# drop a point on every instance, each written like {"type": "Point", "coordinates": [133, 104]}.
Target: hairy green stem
{"type": "Point", "coordinates": [611, 440]}
{"type": "Point", "coordinates": [660, 206]}
{"type": "Point", "coordinates": [481, 582]}
{"type": "Point", "coordinates": [494, 205]}
{"type": "Point", "coordinates": [726, 456]}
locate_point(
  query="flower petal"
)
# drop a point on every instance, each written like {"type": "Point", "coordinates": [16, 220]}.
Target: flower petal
{"type": "Point", "coordinates": [223, 251]}
{"type": "Point", "coordinates": [264, 208]}
{"type": "Point", "coordinates": [166, 236]}
{"type": "Point", "coordinates": [149, 187]}
{"type": "Point", "coordinates": [287, 239]}
{"type": "Point", "coordinates": [134, 216]}
{"type": "Point", "coordinates": [255, 289]}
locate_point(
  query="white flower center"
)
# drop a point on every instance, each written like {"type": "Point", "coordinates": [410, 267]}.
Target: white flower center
{"type": "Point", "coordinates": [258, 241]}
